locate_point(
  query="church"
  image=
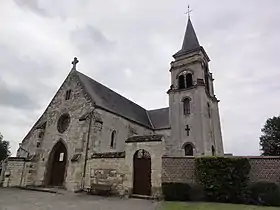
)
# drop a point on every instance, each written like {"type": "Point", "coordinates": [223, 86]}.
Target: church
{"type": "Point", "coordinates": [90, 134]}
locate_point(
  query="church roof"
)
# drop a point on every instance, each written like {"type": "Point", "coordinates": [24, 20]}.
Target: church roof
{"type": "Point", "coordinates": [190, 40]}
{"type": "Point", "coordinates": [107, 99]}
{"type": "Point", "coordinates": [160, 118]}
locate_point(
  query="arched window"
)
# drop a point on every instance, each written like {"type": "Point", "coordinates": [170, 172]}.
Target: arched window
{"type": "Point", "coordinates": [187, 106]}
{"type": "Point", "coordinates": [113, 140]}
{"type": "Point", "coordinates": [189, 80]}
{"type": "Point", "coordinates": [209, 110]}
{"type": "Point", "coordinates": [182, 82]}
{"type": "Point", "coordinates": [188, 149]}
{"type": "Point", "coordinates": [213, 151]}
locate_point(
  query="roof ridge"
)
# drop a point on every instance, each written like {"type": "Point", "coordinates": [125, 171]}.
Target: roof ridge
{"type": "Point", "coordinates": [150, 119]}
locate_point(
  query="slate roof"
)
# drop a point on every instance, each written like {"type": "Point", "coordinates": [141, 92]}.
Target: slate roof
{"type": "Point", "coordinates": [109, 100]}
{"type": "Point", "coordinates": [190, 40]}
{"type": "Point", "coordinates": [160, 118]}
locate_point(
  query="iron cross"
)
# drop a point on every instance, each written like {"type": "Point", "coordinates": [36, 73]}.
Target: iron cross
{"type": "Point", "coordinates": [189, 11]}
{"type": "Point", "coordinates": [188, 130]}
{"type": "Point", "coordinates": [74, 62]}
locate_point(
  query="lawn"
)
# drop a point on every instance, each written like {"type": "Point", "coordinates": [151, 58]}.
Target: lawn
{"type": "Point", "coordinates": [211, 206]}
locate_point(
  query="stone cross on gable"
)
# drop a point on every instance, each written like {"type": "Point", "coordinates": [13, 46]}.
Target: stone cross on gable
{"type": "Point", "coordinates": [74, 62]}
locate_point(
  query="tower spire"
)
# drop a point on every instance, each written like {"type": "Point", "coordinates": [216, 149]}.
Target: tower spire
{"type": "Point", "coordinates": [190, 39]}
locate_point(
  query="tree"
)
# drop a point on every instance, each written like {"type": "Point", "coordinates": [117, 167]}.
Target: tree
{"type": "Point", "coordinates": [270, 139]}
{"type": "Point", "coordinates": [4, 148]}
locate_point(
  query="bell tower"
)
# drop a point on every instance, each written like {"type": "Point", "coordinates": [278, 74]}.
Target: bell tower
{"type": "Point", "coordinates": [193, 106]}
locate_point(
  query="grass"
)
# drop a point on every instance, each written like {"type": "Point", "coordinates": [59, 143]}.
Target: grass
{"type": "Point", "coordinates": [211, 206]}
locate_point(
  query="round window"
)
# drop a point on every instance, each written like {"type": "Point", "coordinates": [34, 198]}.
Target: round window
{"type": "Point", "coordinates": [63, 123]}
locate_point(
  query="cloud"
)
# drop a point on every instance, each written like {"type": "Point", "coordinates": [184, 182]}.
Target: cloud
{"type": "Point", "coordinates": [33, 5]}
{"type": "Point", "coordinates": [135, 40]}
{"type": "Point", "coordinates": [15, 98]}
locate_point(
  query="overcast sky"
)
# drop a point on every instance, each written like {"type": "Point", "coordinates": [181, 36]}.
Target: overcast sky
{"type": "Point", "coordinates": [128, 46]}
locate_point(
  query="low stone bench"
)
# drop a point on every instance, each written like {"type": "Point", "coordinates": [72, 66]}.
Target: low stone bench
{"type": "Point", "coordinates": [100, 189]}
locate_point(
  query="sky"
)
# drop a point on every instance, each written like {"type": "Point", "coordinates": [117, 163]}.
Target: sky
{"type": "Point", "coordinates": [128, 45]}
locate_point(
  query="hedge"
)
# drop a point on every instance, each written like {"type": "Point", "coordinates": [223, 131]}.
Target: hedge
{"type": "Point", "coordinates": [224, 179]}
{"type": "Point", "coordinates": [265, 193]}
{"type": "Point", "coordinates": [176, 191]}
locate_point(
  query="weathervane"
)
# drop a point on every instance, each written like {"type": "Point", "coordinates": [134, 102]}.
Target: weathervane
{"type": "Point", "coordinates": [189, 12]}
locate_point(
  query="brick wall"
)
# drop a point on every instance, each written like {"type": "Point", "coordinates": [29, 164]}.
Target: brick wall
{"type": "Point", "coordinates": [182, 169]}
{"type": "Point", "coordinates": [178, 169]}
{"type": "Point", "coordinates": [265, 169]}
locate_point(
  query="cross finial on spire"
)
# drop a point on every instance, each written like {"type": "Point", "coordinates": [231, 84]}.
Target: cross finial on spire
{"type": "Point", "coordinates": [74, 62]}
{"type": "Point", "coordinates": [189, 12]}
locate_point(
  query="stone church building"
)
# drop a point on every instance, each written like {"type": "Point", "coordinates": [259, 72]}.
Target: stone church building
{"type": "Point", "coordinates": [91, 134]}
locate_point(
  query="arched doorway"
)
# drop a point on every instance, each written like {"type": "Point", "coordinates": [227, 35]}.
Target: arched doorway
{"type": "Point", "coordinates": [57, 165]}
{"type": "Point", "coordinates": [142, 173]}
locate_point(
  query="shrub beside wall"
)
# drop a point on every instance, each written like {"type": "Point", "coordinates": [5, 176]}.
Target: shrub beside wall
{"type": "Point", "coordinates": [219, 179]}
{"type": "Point", "coordinates": [176, 191]}
{"type": "Point", "coordinates": [265, 193]}
{"type": "Point", "coordinates": [224, 179]}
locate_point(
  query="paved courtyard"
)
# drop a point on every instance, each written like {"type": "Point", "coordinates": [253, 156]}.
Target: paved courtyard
{"type": "Point", "coordinates": [16, 199]}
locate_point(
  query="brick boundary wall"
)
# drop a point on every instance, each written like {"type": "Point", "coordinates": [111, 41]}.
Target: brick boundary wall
{"type": "Point", "coordinates": [182, 169]}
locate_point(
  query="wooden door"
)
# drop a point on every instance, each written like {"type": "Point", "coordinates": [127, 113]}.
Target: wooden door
{"type": "Point", "coordinates": [142, 173]}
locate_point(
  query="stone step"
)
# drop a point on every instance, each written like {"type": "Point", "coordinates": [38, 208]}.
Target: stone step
{"type": "Point", "coordinates": [40, 189]}
{"type": "Point", "coordinates": [147, 197]}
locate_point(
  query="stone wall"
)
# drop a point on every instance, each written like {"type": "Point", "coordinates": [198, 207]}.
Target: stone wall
{"type": "Point", "coordinates": [107, 171]}
{"type": "Point", "coordinates": [156, 150]}
{"type": "Point", "coordinates": [15, 172]}
{"type": "Point", "coordinates": [117, 170]}
{"type": "Point", "coordinates": [101, 137]}
{"type": "Point", "coordinates": [182, 169]}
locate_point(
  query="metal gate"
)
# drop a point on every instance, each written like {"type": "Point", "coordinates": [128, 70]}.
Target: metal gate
{"type": "Point", "coordinates": [142, 173]}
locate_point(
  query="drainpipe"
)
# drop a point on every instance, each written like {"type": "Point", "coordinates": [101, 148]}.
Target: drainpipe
{"type": "Point", "coordinates": [22, 173]}
{"type": "Point", "coordinates": [90, 115]}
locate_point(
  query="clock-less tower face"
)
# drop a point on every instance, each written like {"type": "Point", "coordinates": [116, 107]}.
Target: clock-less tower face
{"type": "Point", "coordinates": [194, 115]}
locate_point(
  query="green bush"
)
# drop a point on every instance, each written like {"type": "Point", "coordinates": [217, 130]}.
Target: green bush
{"type": "Point", "coordinates": [197, 193]}
{"type": "Point", "coordinates": [224, 179]}
{"type": "Point", "coordinates": [176, 191]}
{"type": "Point", "coordinates": [265, 193]}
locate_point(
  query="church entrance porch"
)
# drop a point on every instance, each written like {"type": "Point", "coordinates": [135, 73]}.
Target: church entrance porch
{"type": "Point", "coordinates": [57, 165]}
{"type": "Point", "coordinates": [142, 173]}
